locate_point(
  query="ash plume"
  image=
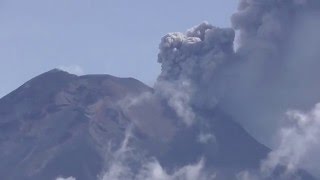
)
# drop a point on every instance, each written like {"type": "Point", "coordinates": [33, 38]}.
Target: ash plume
{"type": "Point", "coordinates": [189, 61]}
{"type": "Point", "coordinates": [192, 54]}
{"type": "Point", "coordinates": [274, 68]}
{"type": "Point", "coordinates": [277, 63]}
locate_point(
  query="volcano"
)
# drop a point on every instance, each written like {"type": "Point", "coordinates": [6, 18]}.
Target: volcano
{"type": "Point", "coordinates": [59, 124]}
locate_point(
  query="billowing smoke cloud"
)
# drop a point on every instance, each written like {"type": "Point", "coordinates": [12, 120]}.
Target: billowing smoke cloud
{"type": "Point", "coordinates": [278, 69]}
{"type": "Point", "coordinates": [274, 68]}
{"type": "Point", "coordinates": [194, 55]}
{"type": "Point", "coordinates": [277, 63]}
{"type": "Point", "coordinates": [189, 61]}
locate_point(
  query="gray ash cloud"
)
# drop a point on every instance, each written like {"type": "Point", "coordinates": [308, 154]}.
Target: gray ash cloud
{"type": "Point", "coordinates": [275, 67]}
{"type": "Point", "coordinates": [189, 61]}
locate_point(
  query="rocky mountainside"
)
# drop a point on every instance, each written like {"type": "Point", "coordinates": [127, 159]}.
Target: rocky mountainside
{"type": "Point", "coordinates": [59, 124]}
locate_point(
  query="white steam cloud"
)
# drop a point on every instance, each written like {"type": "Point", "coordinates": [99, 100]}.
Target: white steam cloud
{"type": "Point", "coordinates": [152, 170]}
{"type": "Point", "coordinates": [299, 144]}
{"type": "Point", "coordinates": [298, 148]}
{"type": "Point", "coordinates": [148, 168]}
{"type": "Point", "coordinates": [72, 69]}
{"type": "Point", "coordinates": [69, 178]}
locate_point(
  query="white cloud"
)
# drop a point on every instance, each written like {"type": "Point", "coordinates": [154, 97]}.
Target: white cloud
{"type": "Point", "coordinates": [298, 148]}
{"type": "Point", "coordinates": [69, 178]}
{"type": "Point", "coordinates": [149, 168]}
{"type": "Point", "coordinates": [206, 138]}
{"type": "Point", "coordinates": [246, 175]}
{"type": "Point", "coordinates": [152, 170]}
{"type": "Point", "coordinates": [178, 94]}
{"type": "Point", "coordinates": [72, 69]}
{"type": "Point", "coordinates": [299, 143]}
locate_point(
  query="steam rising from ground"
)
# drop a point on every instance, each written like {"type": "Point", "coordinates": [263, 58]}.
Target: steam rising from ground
{"type": "Point", "coordinates": [69, 178]}
{"type": "Point", "coordinates": [120, 168]}
{"type": "Point", "coordinates": [299, 143]}
{"type": "Point", "coordinates": [298, 147]}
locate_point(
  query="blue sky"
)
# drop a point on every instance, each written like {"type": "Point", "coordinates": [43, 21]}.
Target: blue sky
{"type": "Point", "coordinates": [117, 37]}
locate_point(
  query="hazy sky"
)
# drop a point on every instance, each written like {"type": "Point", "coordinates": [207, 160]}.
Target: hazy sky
{"type": "Point", "coordinates": [117, 37]}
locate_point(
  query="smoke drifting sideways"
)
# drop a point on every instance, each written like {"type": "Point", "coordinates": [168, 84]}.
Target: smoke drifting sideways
{"type": "Point", "coordinates": [274, 68]}
{"type": "Point", "coordinates": [277, 63]}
